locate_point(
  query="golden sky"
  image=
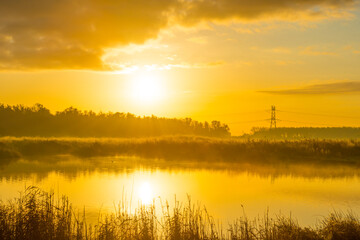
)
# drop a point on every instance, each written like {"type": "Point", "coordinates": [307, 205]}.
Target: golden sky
{"type": "Point", "coordinates": [228, 60]}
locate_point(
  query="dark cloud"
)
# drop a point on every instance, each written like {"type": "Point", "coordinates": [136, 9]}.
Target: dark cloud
{"type": "Point", "coordinates": [71, 34]}
{"type": "Point", "coordinates": [329, 88]}
{"type": "Point", "coordinates": [253, 9]}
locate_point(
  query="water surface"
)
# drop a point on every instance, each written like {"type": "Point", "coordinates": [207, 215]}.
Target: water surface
{"type": "Point", "coordinates": [227, 190]}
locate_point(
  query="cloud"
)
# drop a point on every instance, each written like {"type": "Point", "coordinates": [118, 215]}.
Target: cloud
{"type": "Point", "coordinates": [311, 51]}
{"type": "Point", "coordinates": [73, 34]}
{"type": "Point", "coordinates": [287, 62]}
{"type": "Point", "coordinates": [198, 40]}
{"type": "Point", "coordinates": [197, 65]}
{"type": "Point", "coordinates": [130, 68]}
{"type": "Point", "coordinates": [316, 89]}
{"type": "Point", "coordinates": [197, 10]}
{"type": "Point", "coordinates": [352, 49]}
{"type": "Point", "coordinates": [281, 50]}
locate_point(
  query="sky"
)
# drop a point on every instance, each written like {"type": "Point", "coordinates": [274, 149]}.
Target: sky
{"type": "Point", "coordinates": [228, 60]}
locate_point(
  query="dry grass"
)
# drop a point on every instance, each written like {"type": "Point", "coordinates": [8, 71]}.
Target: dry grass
{"type": "Point", "coordinates": [39, 215]}
{"type": "Point", "coordinates": [189, 148]}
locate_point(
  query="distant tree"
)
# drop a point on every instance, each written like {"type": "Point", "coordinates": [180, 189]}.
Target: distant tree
{"type": "Point", "coordinates": [307, 132]}
{"type": "Point", "coordinates": [37, 120]}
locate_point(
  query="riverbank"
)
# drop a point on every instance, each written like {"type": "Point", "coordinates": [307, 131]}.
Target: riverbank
{"type": "Point", "coordinates": [187, 147]}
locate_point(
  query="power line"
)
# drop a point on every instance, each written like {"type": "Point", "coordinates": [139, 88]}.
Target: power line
{"type": "Point", "coordinates": [318, 114]}
{"type": "Point", "coordinates": [269, 111]}
{"type": "Point", "coordinates": [273, 118]}
{"type": "Point", "coordinates": [229, 114]}
{"type": "Point", "coordinates": [250, 121]}
{"type": "Point", "coordinates": [312, 123]}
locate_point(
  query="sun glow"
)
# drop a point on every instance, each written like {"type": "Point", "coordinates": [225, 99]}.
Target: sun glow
{"type": "Point", "coordinates": [146, 88]}
{"type": "Point", "coordinates": [145, 193]}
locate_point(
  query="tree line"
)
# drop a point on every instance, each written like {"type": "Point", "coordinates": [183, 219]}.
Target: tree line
{"type": "Point", "coordinates": [306, 133]}
{"type": "Point", "coordinates": [37, 120]}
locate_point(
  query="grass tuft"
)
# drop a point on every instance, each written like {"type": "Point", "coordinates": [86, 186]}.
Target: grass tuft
{"type": "Point", "coordinates": [39, 215]}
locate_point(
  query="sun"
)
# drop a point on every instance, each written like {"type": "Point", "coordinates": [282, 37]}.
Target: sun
{"type": "Point", "coordinates": [147, 88]}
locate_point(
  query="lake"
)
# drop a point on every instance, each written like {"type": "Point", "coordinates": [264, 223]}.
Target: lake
{"type": "Point", "coordinates": [227, 191]}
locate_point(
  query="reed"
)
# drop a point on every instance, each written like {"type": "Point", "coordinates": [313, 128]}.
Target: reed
{"type": "Point", "coordinates": [40, 215]}
{"type": "Point", "coordinates": [178, 148]}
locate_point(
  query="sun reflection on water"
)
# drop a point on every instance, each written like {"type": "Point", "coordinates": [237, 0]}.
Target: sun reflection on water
{"type": "Point", "coordinates": [145, 193]}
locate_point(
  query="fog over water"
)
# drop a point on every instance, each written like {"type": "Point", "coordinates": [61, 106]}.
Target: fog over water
{"type": "Point", "coordinates": [228, 190]}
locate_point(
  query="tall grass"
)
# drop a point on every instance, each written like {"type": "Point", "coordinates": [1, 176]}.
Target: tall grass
{"type": "Point", "coordinates": [40, 215]}
{"type": "Point", "coordinates": [189, 148]}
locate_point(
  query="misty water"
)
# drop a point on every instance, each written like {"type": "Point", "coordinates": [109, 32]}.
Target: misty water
{"type": "Point", "coordinates": [305, 192]}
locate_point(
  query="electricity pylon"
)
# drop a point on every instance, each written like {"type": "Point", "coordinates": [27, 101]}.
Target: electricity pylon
{"type": "Point", "coordinates": [273, 117]}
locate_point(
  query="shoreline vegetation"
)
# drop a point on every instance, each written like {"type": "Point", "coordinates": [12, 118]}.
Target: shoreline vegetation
{"type": "Point", "coordinates": [187, 148]}
{"type": "Point", "coordinates": [37, 120]}
{"type": "Point", "coordinates": [298, 133]}
{"type": "Point", "coordinates": [40, 215]}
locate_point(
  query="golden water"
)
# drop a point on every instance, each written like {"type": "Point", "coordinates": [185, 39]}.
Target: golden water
{"type": "Point", "coordinates": [307, 193]}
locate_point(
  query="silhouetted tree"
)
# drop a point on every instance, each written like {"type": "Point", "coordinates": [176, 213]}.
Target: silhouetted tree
{"type": "Point", "coordinates": [37, 120]}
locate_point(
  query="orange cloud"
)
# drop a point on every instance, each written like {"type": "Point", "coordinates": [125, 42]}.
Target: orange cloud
{"type": "Point", "coordinates": [72, 34]}
{"type": "Point", "coordinates": [326, 88]}
{"type": "Point", "coordinates": [197, 10]}
{"type": "Point", "coordinates": [311, 51]}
